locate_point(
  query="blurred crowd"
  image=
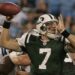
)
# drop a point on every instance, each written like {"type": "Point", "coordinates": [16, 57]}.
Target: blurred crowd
{"type": "Point", "coordinates": [31, 9]}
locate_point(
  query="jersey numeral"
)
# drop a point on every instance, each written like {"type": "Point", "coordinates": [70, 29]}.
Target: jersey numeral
{"type": "Point", "coordinates": [41, 51]}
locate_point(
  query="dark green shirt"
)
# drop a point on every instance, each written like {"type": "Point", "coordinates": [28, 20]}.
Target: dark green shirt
{"type": "Point", "coordinates": [46, 59]}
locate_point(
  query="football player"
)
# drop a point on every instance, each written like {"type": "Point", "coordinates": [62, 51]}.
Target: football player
{"type": "Point", "coordinates": [44, 45]}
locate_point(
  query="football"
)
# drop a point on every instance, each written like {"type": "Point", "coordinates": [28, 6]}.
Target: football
{"type": "Point", "coordinates": [9, 9]}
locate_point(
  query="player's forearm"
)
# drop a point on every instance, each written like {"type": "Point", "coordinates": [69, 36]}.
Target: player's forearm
{"type": "Point", "coordinates": [5, 35]}
{"type": "Point", "coordinates": [22, 73]}
{"type": "Point", "coordinates": [6, 41]}
{"type": "Point", "coordinates": [71, 38]}
{"type": "Point", "coordinates": [24, 59]}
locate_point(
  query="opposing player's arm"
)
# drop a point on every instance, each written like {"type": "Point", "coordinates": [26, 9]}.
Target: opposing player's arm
{"type": "Point", "coordinates": [19, 59]}
{"type": "Point", "coordinates": [71, 38]}
{"type": "Point", "coordinates": [69, 48]}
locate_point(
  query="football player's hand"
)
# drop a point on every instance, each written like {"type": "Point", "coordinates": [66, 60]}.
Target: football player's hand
{"type": "Point", "coordinates": [9, 18]}
{"type": "Point", "coordinates": [61, 26]}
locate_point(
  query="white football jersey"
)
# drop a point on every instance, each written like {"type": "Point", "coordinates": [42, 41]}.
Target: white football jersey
{"type": "Point", "coordinates": [3, 52]}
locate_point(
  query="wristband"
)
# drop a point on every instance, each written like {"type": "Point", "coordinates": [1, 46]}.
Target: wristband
{"type": "Point", "coordinates": [6, 24]}
{"type": "Point", "coordinates": [65, 34]}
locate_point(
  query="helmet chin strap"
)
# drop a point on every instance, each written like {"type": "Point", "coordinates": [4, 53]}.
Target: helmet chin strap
{"type": "Point", "coordinates": [50, 35]}
{"type": "Point", "coordinates": [53, 36]}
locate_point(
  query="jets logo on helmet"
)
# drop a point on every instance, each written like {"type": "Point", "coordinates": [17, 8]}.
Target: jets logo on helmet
{"type": "Point", "coordinates": [46, 18]}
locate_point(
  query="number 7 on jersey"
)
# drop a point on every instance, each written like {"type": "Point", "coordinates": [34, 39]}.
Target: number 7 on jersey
{"type": "Point", "coordinates": [48, 53]}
